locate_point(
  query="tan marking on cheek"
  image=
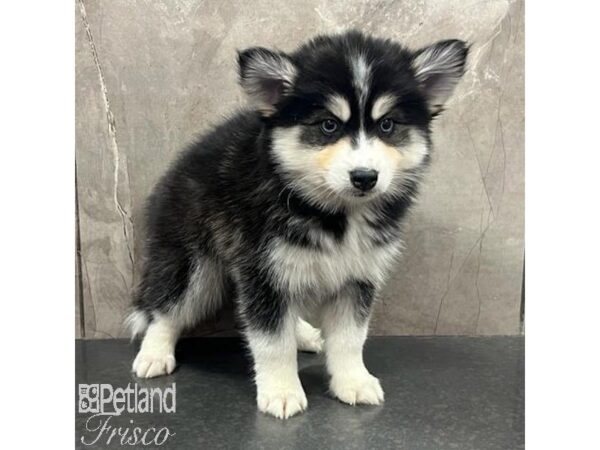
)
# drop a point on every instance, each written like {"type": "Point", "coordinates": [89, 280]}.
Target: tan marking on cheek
{"type": "Point", "coordinates": [392, 153]}
{"type": "Point", "coordinates": [325, 156]}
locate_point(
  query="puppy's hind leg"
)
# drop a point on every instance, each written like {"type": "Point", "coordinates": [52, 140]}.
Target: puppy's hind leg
{"type": "Point", "coordinates": [157, 352]}
{"type": "Point", "coordinates": [308, 338]}
{"type": "Point", "coordinates": [191, 297]}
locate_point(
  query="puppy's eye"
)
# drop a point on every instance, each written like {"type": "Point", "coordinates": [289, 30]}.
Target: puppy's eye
{"type": "Point", "coordinates": [386, 126]}
{"type": "Point", "coordinates": [329, 126]}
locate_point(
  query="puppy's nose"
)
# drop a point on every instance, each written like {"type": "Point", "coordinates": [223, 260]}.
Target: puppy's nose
{"type": "Point", "coordinates": [363, 178]}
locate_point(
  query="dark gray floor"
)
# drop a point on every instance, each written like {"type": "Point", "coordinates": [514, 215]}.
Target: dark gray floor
{"type": "Point", "coordinates": [441, 393]}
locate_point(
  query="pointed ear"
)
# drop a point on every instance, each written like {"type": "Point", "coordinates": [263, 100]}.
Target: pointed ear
{"type": "Point", "coordinates": [266, 76]}
{"type": "Point", "coordinates": [438, 69]}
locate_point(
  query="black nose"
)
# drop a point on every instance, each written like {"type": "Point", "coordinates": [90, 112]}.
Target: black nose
{"type": "Point", "coordinates": [363, 179]}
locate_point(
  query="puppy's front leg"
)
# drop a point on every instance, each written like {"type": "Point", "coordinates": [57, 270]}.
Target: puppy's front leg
{"type": "Point", "coordinates": [345, 324]}
{"type": "Point", "coordinates": [270, 331]}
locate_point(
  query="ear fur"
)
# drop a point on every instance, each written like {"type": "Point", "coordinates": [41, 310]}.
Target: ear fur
{"type": "Point", "coordinates": [266, 76]}
{"type": "Point", "coordinates": [438, 69]}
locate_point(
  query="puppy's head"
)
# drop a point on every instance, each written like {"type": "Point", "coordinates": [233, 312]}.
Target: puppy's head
{"type": "Point", "coordinates": [349, 114]}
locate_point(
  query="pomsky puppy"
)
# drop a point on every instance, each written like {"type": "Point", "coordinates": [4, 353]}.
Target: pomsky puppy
{"type": "Point", "coordinates": [294, 208]}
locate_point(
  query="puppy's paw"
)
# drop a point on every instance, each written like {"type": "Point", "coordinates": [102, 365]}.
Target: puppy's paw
{"type": "Point", "coordinates": [358, 388]}
{"type": "Point", "coordinates": [308, 338]}
{"type": "Point", "coordinates": [281, 402]}
{"type": "Point", "coordinates": [150, 364]}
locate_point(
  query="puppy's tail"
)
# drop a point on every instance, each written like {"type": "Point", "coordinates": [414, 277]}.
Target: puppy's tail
{"type": "Point", "coordinates": [137, 322]}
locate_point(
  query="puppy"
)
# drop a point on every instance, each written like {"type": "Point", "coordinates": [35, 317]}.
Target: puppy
{"type": "Point", "coordinates": [294, 208]}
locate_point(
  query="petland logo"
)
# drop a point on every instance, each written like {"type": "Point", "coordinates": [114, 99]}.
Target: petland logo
{"type": "Point", "coordinates": [104, 402]}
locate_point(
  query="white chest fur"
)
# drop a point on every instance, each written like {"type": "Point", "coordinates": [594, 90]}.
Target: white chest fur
{"type": "Point", "coordinates": [299, 269]}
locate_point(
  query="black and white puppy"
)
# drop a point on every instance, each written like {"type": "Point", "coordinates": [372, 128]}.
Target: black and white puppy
{"type": "Point", "coordinates": [294, 208]}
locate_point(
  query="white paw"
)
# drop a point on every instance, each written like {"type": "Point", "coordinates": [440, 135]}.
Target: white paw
{"type": "Point", "coordinates": [361, 388]}
{"type": "Point", "coordinates": [149, 365]}
{"type": "Point", "coordinates": [281, 402]}
{"type": "Point", "coordinates": [308, 338]}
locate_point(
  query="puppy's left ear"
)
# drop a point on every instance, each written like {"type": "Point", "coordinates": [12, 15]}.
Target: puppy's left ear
{"type": "Point", "coordinates": [438, 69]}
{"type": "Point", "coordinates": [266, 76]}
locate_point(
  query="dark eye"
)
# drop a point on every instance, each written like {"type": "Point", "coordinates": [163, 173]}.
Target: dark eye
{"type": "Point", "coordinates": [386, 126]}
{"type": "Point", "coordinates": [329, 126]}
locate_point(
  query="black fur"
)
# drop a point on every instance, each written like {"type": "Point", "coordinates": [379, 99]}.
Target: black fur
{"type": "Point", "coordinates": [227, 198]}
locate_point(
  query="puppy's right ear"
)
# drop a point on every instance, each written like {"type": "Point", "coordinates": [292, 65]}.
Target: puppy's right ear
{"type": "Point", "coordinates": [266, 76]}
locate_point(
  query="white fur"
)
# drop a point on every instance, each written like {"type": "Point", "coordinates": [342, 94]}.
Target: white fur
{"type": "Point", "coordinates": [267, 65]}
{"type": "Point", "coordinates": [136, 322]}
{"type": "Point", "coordinates": [351, 382]}
{"type": "Point", "coordinates": [361, 78]}
{"type": "Point", "coordinates": [412, 154]}
{"type": "Point", "coordinates": [435, 60]}
{"type": "Point", "coordinates": [331, 185]}
{"type": "Point", "coordinates": [339, 107]}
{"type": "Point", "coordinates": [202, 297]}
{"type": "Point", "coordinates": [298, 269]}
{"type": "Point", "coordinates": [440, 68]}
{"type": "Point", "coordinates": [279, 391]}
{"type": "Point", "coordinates": [368, 154]}
{"type": "Point", "coordinates": [157, 352]}
{"type": "Point", "coordinates": [382, 106]}
{"type": "Point", "coordinates": [300, 161]}
{"type": "Point", "coordinates": [372, 153]}
{"type": "Point", "coordinates": [206, 281]}
{"type": "Point", "coordinates": [308, 338]}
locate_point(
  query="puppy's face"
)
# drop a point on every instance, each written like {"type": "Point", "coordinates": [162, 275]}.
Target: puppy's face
{"type": "Point", "coordinates": [349, 115]}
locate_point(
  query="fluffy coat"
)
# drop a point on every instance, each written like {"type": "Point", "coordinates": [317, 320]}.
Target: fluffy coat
{"type": "Point", "coordinates": [294, 209]}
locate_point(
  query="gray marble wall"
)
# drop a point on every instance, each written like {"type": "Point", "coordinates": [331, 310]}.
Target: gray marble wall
{"type": "Point", "coordinates": [151, 75]}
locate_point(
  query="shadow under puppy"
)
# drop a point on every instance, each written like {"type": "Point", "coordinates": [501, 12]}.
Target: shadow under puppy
{"type": "Point", "coordinates": [294, 208]}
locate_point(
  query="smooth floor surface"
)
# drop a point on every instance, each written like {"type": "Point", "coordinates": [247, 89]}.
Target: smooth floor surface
{"type": "Point", "coordinates": [441, 393]}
